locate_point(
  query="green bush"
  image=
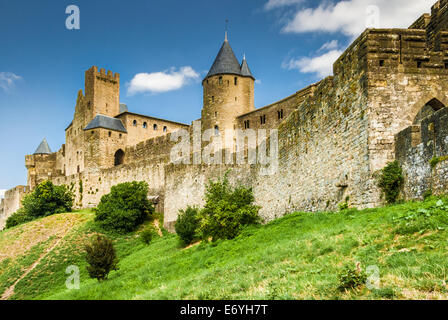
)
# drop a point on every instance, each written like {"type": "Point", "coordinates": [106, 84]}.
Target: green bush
{"type": "Point", "coordinates": [343, 206]}
{"type": "Point", "coordinates": [45, 200]}
{"type": "Point", "coordinates": [187, 224]}
{"type": "Point", "coordinates": [147, 235]}
{"type": "Point", "coordinates": [391, 181]}
{"type": "Point", "coordinates": [101, 258]}
{"type": "Point", "coordinates": [351, 278]}
{"type": "Point", "coordinates": [227, 211]}
{"type": "Point", "coordinates": [125, 207]}
{"type": "Point", "coordinates": [48, 199]}
{"type": "Point", "coordinates": [17, 218]}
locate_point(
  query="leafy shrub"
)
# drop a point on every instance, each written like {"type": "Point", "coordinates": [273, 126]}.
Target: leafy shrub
{"type": "Point", "coordinates": [427, 194]}
{"type": "Point", "coordinates": [343, 206]}
{"type": "Point", "coordinates": [351, 278]}
{"type": "Point", "coordinates": [391, 181]}
{"type": "Point", "coordinates": [101, 257]}
{"type": "Point", "coordinates": [45, 200]}
{"type": "Point", "coordinates": [125, 207]}
{"type": "Point", "coordinates": [147, 235]}
{"type": "Point", "coordinates": [17, 218]}
{"type": "Point", "coordinates": [187, 225]}
{"type": "Point", "coordinates": [48, 199]}
{"type": "Point", "coordinates": [227, 211]}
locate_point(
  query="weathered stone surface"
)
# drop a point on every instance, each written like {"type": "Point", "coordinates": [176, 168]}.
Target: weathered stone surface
{"type": "Point", "coordinates": [386, 101]}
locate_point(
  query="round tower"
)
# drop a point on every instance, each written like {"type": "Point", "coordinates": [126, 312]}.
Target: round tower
{"type": "Point", "coordinates": [228, 91]}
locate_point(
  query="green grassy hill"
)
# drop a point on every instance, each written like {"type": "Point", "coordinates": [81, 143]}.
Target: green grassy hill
{"type": "Point", "coordinates": [296, 257]}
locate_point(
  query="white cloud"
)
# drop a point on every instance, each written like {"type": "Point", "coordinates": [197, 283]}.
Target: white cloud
{"type": "Point", "coordinates": [158, 82]}
{"type": "Point", "coordinates": [352, 17]}
{"type": "Point", "coordinates": [330, 45]}
{"type": "Point", "coordinates": [321, 65]}
{"type": "Point", "coordinates": [272, 4]}
{"type": "Point", "coordinates": [2, 193]}
{"type": "Point", "coordinates": [8, 80]}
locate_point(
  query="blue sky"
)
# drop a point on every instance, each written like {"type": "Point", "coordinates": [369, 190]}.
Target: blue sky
{"type": "Point", "coordinates": [288, 44]}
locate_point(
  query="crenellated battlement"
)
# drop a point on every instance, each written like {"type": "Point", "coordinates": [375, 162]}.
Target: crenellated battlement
{"type": "Point", "coordinates": [101, 73]}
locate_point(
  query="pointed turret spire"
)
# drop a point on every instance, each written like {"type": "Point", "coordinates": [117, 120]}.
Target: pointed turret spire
{"type": "Point", "coordinates": [43, 148]}
{"type": "Point", "coordinates": [225, 62]}
{"type": "Point", "coordinates": [245, 71]}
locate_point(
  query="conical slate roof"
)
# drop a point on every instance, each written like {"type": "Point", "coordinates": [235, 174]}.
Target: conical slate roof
{"type": "Point", "coordinates": [43, 148]}
{"type": "Point", "coordinates": [225, 62]}
{"type": "Point", "coordinates": [245, 71]}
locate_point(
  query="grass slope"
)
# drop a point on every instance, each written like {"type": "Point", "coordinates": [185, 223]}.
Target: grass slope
{"type": "Point", "coordinates": [296, 257]}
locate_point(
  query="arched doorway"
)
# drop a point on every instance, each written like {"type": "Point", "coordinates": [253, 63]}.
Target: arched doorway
{"type": "Point", "coordinates": [428, 109]}
{"type": "Point", "coordinates": [119, 157]}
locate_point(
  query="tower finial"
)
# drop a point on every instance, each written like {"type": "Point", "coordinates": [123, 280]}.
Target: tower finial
{"type": "Point", "coordinates": [227, 27]}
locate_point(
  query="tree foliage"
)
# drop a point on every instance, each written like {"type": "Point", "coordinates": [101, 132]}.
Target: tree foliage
{"type": "Point", "coordinates": [101, 258]}
{"type": "Point", "coordinates": [125, 207]}
{"type": "Point", "coordinates": [391, 181]}
{"type": "Point", "coordinates": [45, 200]}
{"type": "Point", "coordinates": [227, 211]}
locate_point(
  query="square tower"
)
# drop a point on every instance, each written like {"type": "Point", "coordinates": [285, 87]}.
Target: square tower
{"type": "Point", "coordinates": [102, 92]}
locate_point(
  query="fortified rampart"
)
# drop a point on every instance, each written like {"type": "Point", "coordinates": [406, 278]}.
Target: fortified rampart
{"type": "Point", "coordinates": [422, 150]}
{"type": "Point", "coordinates": [333, 136]}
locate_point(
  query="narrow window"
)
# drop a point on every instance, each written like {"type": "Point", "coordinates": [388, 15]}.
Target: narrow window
{"type": "Point", "coordinates": [134, 123]}
{"type": "Point", "coordinates": [381, 63]}
{"type": "Point", "coordinates": [213, 98]}
{"type": "Point", "coordinates": [216, 114]}
{"type": "Point", "coordinates": [155, 127]}
{"type": "Point", "coordinates": [280, 114]}
{"type": "Point", "coordinates": [236, 81]}
{"type": "Point", "coordinates": [110, 134]}
{"type": "Point", "coordinates": [165, 129]}
{"type": "Point", "coordinates": [419, 64]}
{"type": "Point", "coordinates": [145, 125]}
{"type": "Point", "coordinates": [216, 130]}
{"type": "Point", "coordinates": [120, 135]}
{"type": "Point", "coordinates": [220, 80]}
{"type": "Point", "coordinates": [446, 65]}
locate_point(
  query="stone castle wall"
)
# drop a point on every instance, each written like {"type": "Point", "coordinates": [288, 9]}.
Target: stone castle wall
{"type": "Point", "coordinates": [416, 146]}
{"type": "Point", "coordinates": [11, 203]}
{"type": "Point", "coordinates": [333, 138]}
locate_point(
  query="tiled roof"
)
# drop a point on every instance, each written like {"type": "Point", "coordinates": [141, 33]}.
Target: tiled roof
{"type": "Point", "coordinates": [105, 122]}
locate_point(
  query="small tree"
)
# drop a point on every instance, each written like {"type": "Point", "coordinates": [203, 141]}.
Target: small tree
{"type": "Point", "coordinates": [45, 200]}
{"type": "Point", "coordinates": [391, 181]}
{"type": "Point", "coordinates": [227, 211]}
{"type": "Point", "coordinates": [187, 224]}
{"type": "Point", "coordinates": [147, 235]}
{"type": "Point", "coordinates": [125, 207]}
{"type": "Point", "coordinates": [48, 199]}
{"type": "Point", "coordinates": [101, 257]}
